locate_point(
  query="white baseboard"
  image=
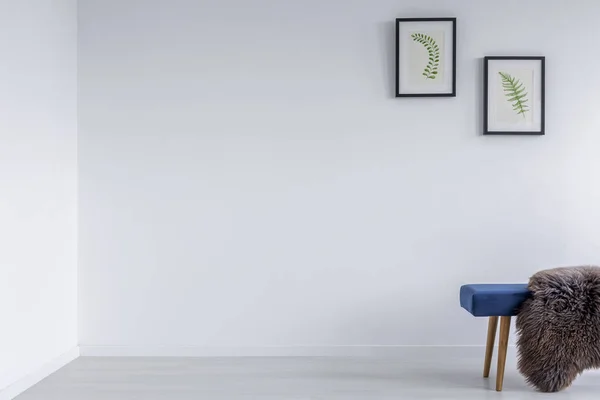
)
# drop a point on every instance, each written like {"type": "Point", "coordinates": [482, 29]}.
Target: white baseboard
{"type": "Point", "coordinates": [15, 389]}
{"type": "Point", "coordinates": [273, 351]}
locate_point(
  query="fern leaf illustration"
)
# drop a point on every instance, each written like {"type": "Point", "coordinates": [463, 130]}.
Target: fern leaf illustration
{"type": "Point", "coordinates": [433, 50]}
{"type": "Point", "coordinates": [515, 93]}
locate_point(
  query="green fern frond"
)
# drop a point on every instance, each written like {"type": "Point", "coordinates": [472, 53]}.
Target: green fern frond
{"type": "Point", "coordinates": [433, 50]}
{"type": "Point", "coordinates": [515, 93]}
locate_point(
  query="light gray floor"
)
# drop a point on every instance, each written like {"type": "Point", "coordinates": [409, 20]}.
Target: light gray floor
{"type": "Point", "coordinates": [432, 375]}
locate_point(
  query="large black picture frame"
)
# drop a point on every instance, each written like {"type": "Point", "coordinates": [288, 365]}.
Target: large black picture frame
{"type": "Point", "coordinates": [400, 92]}
{"type": "Point", "coordinates": [537, 99]}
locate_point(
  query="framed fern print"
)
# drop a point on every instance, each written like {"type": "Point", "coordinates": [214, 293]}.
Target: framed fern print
{"type": "Point", "coordinates": [426, 57]}
{"type": "Point", "coordinates": [514, 95]}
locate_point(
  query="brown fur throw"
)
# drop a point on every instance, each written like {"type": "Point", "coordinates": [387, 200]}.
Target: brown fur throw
{"type": "Point", "coordinates": [559, 327]}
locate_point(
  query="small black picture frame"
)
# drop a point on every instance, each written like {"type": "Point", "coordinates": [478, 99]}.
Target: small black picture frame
{"type": "Point", "coordinates": [426, 57]}
{"type": "Point", "coordinates": [514, 95]}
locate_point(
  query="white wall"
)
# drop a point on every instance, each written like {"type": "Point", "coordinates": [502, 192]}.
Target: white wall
{"type": "Point", "coordinates": [248, 179]}
{"type": "Point", "coordinates": [38, 177]}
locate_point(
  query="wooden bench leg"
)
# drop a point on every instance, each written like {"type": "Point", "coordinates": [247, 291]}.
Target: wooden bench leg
{"type": "Point", "coordinates": [502, 348]}
{"type": "Point", "coordinates": [489, 348]}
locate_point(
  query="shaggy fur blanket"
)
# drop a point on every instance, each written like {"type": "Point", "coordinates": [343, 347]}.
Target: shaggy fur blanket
{"type": "Point", "coordinates": [559, 327]}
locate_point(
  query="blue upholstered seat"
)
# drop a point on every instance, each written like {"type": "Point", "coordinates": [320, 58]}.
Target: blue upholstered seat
{"type": "Point", "coordinates": [485, 300]}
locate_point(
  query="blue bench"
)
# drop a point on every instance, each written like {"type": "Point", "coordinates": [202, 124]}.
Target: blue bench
{"type": "Point", "coordinates": [496, 301]}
